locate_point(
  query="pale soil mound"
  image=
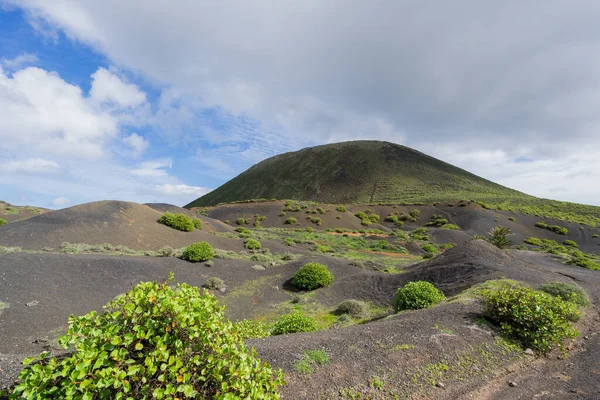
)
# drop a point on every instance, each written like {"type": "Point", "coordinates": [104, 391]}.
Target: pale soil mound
{"type": "Point", "coordinates": [115, 222]}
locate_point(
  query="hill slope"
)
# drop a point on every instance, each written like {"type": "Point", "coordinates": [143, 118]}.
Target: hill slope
{"type": "Point", "coordinates": [355, 172]}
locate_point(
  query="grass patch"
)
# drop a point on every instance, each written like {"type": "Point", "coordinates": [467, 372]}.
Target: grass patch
{"type": "Point", "coordinates": [310, 361]}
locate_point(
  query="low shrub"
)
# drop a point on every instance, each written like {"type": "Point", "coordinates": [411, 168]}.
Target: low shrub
{"type": "Point", "coordinates": [533, 241]}
{"type": "Point", "coordinates": [252, 244]}
{"type": "Point", "coordinates": [561, 230]}
{"type": "Point", "coordinates": [289, 242]}
{"type": "Point", "coordinates": [513, 219]}
{"type": "Point", "coordinates": [242, 221]}
{"type": "Point", "coordinates": [197, 252]}
{"type": "Point", "coordinates": [340, 209]}
{"type": "Point", "coordinates": [282, 214]}
{"type": "Point", "coordinates": [3, 221]}
{"type": "Point", "coordinates": [197, 223]}
{"type": "Point", "coordinates": [374, 217]}
{"type": "Point", "coordinates": [417, 295]}
{"type": "Point", "coordinates": [415, 214]}
{"type": "Point", "coordinates": [290, 221]}
{"type": "Point", "coordinates": [429, 248]}
{"type": "Point", "coordinates": [584, 262]}
{"type": "Point", "coordinates": [166, 251]}
{"type": "Point", "coordinates": [312, 276]}
{"type": "Point", "coordinates": [354, 308]}
{"type": "Point", "coordinates": [570, 243]}
{"type": "Point", "coordinates": [250, 329]}
{"type": "Point", "coordinates": [595, 236]}
{"type": "Point", "coordinates": [180, 222]}
{"type": "Point", "coordinates": [214, 283]}
{"type": "Point", "coordinates": [294, 323]}
{"type": "Point", "coordinates": [500, 237]}
{"type": "Point", "coordinates": [537, 319]}
{"type": "Point", "coordinates": [156, 341]}
{"type": "Point", "coordinates": [321, 210]}
{"type": "Point", "coordinates": [450, 226]}
{"type": "Point", "coordinates": [315, 220]}
{"type": "Point", "coordinates": [391, 218]}
{"type": "Point", "coordinates": [567, 291]}
{"type": "Point", "coordinates": [436, 221]}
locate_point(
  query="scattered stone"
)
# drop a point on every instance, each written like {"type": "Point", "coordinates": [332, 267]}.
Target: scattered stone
{"type": "Point", "coordinates": [529, 352]}
{"type": "Point", "coordinates": [32, 303]}
{"type": "Point", "coordinates": [440, 385]}
{"type": "Point", "coordinates": [258, 268]}
{"type": "Point", "coordinates": [222, 290]}
{"type": "Point", "coordinates": [512, 383]}
{"type": "Point", "coordinates": [586, 337]}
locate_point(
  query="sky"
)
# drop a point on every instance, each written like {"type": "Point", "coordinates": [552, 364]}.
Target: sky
{"type": "Point", "coordinates": [155, 101]}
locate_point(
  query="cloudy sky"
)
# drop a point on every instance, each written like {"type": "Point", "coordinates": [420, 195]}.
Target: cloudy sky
{"type": "Point", "coordinates": [147, 100]}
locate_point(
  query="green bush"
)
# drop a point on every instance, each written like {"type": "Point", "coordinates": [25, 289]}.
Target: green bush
{"type": "Point", "coordinates": [436, 221]}
{"type": "Point", "coordinates": [417, 295]}
{"type": "Point", "coordinates": [312, 276]}
{"type": "Point", "coordinates": [321, 210]}
{"type": "Point", "coordinates": [374, 217]}
{"type": "Point", "coordinates": [290, 221]}
{"type": "Point", "coordinates": [180, 222]}
{"type": "Point", "coordinates": [242, 221]}
{"type": "Point", "coordinates": [340, 209]}
{"type": "Point", "coordinates": [415, 214]}
{"type": "Point", "coordinates": [315, 220]}
{"type": "Point", "coordinates": [197, 223]}
{"type": "Point", "coordinates": [450, 227]}
{"type": "Point", "coordinates": [154, 342]}
{"type": "Point", "coordinates": [499, 237]}
{"type": "Point", "coordinates": [250, 329]}
{"type": "Point", "coordinates": [282, 214]}
{"type": "Point", "coordinates": [567, 291]}
{"type": "Point", "coordinates": [513, 219]}
{"type": "Point", "coordinates": [533, 241]}
{"type": "Point", "coordinates": [537, 319]}
{"type": "Point", "coordinates": [561, 230]}
{"type": "Point", "coordinates": [354, 308]}
{"type": "Point", "coordinates": [391, 218]}
{"type": "Point", "coordinates": [289, 242]}
{"type": "Point", "coordinates": [197, 252]}
{"type": "Point", "coordinates": [252, 244]}
{"type": "Point", "coordinates": [3, 221]}
{"type": "Point", "coordinates": [294, 323]}
{"type": "Point", "coordinates": [429, 248]}
{"type": "Point", "coordinates": [570, 243]}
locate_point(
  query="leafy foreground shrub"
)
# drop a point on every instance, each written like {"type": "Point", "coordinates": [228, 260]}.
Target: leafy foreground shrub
{"type": "Point", "coordinates": [3, 221]}
{"type": "Point", "coordinates": [252, 244]}
{"type": "Point", "coordinates": [537, 319]}
{"type": "Point", "coordinates": [294, 323]}
{"type": "Point", "coordinates": [180, 222]}
{"type": "Point", "coordinates": [417, 295]}
{"type": "Point", "coordinates": [197, 223]}
{"type": "Point", "coordinates": [566, 291]}
{"type": "Point", "coordinates": [312, 276]}
{"type": "Point", "coordinates": [153, 342]}
{"type": "Point", "coordinates": [197, 252]}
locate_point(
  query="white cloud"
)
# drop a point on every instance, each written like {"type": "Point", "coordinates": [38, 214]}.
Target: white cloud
{"type": "Point", "coordinates": [30, 165]}
{"type": "Point", "coordinates": [109, 88]}
{"type": "Point", "coordinates": [137, 143]}
{"type": "Point", "coordinates": [20, 61]}
{"type": "Point", "coordinates": [181, 190]}
{"type": "Point", "coordinates": [60, 201]}
{"type": "Point", "coordinates": [154, 168]}
{"type": "Point", "coordinates": [39, 110]}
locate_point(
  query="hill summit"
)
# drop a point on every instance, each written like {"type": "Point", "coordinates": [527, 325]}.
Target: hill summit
{"type": "Point", "coordinates": [355, 172]}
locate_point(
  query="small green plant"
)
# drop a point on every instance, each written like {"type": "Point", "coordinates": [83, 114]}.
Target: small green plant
{"type": "Point", "coordinates": [312, 276]}
{"type": "Point", "coordinates": [537, 319]}
{"type": "Point", "coordinates": [252, 244]}
{"type": "Point", "coordinates": [309, 360]}
{"type": "Point", "coordinates": [242, 221]}
{"type": "Point", "coordinates": [282, 214]}
{"type": "Point", "coordinates": [429, 248]}
{"type": "Point", "coordinates": [214, 283]}
{"type": "Point", "coordinates": [513, 219]}
{"type": "Point", "coordinates": [374, 217]}
{"type": "Point", "coordinates": [354, 308]}
{"type": "Point", "coordinates": [315, 220]}
{"type": "Point", "coordinates": [595, 236]}
{"type": "Point", "coordinates": [376, 382]}
{"type": "Point", "coordinates": [500, 237]}
{"type": "Point", "coordinates": [197, 252]}
{"type": "Point", "coordinates": [289, 242]}
{"type": "Point", "coordinates": [290, 221]}
{"type": "Point", "coordinates": [561, 230]}
{"type": "Point", "coordinates": [340, 209]}
{"type": "Point", "coordinates": [567, 291]}
{"type": "Point", "coordinates": [3, 221]}
{"type": "Point", "coordinates": [391, 218]}
{"type": "Point", "coordinates": [294, 323]}
{"type": "Point", "coordinates": [436, 221]}
{"type": "Point", "coordinates": [415, 214]}
{"type": "Point", "coordinates": [250, 329]}
{"type": "Point", "coordinates": [533, 241]}
{"type": "Point", "coordinates": [180, 222]}
{"type": "Point", "coordinates": [156, 341]}
{"type": "Point", "coordinates": [417, 295]}
{"type": "Point", "coordinates": [450, 227]}
{"type": "Point", "coordinates": [570, 243]}
{"type": "Point", "coordinates": [197, 223]}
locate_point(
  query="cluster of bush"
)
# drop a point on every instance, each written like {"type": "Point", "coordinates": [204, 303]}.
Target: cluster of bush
{"type": "Point", "coordinates": [180, 222]}
{"type": "Point", "coordinates": [561, 230]}
{"type": "Point", "coordinates": [367, 217]}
